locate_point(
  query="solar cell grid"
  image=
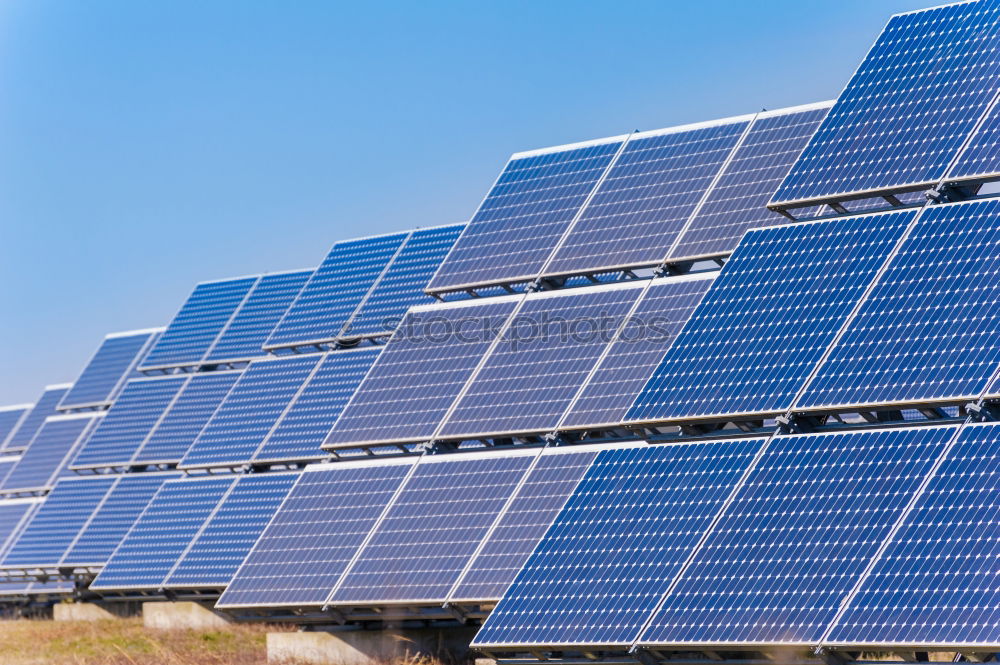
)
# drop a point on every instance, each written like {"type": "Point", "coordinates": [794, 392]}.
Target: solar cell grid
{"type": "Point", "coordinates": [33, 421]}
{"type": "Point", "coordinates": [599, 572]}
{"type": "Point", "coordinates": [49, 453]}
{"type": "Point", "coordinates": [10, 418]}
{"type": "Point", "coordinates": [768, 318]}
{"type": "Point", "coordinates": [644, 202]}
{"type": "Point", "coordinates": [315, 534]}
{"type": "Point", "coordinates": [109, 368]}
{"type": "Point", "coordinates": [14, 513]}
{"type": "Point", "coordinates": [524, 215]}
{"type": "Point", "coordinates": [908, 108]}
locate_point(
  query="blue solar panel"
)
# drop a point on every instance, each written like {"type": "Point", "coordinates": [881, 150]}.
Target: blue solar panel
{"type": "Point", "coordinates": [55, 525]}
{"type": "Point", "coordinates": [250, 327]}
{"type": "Point", "coordinates": [249, 411]}
{"type": "Point", "coordinates": [420, 373]}
{"type": "Point", "coordinates": [542, 358]}
{"type": "Point", "coordinates": [214, 556]}
{"type": "Point", "coordinates": [525, 214]}
{"type": "Point", "coordinates": [909, 107]}
{"type": "Point", "coordinates": [161, 534]}
{"type": "Point", "coordinates": [738, 200]}
{"type": "Point", "coordinates": [315, 534]}
{"type": "Point", "coordinates": [651, 191]}
{"type": "Point", "coordinates": [302, 429]}
{"type": "Point", "coordinates": [44, 407]}
{"type": "Point", "coordinates": [119, 509]}
{"type": "Point", "coordinates": [14, 514]}
{"type": "Point", "coordinates": [768, 318]}
{"type": "Point", "coordinates": [530, 514]}
{"type": "Point", "coordinates": [187, 415]}
{"type": "Point", "coordinates": [638, 348]}
{"type": "Point", "coordinates": [106, 373]}
{"type": "Point", "coordinates": [599, 572]}
{"type": "Point", "coordinates": [129, 421]}
{"type": "Point", "coordinates": [930, 329]}
{"type": "Point", "coordinates": [403, 282]}
{"type": "Point", "coordinates": [433, 528]}
{"type": "Point", "coordinates": [979, 158]}
{"type": "Point", "coordinates": [936, 584]}
{"type": "Point", "coordinates": [796, 538]}
{"type": "Point", "coordinates": [49, 453]}
{"type": "Point", "coordinates": [326, 302]}
{"type": "Point", "coordinates": [10, 418]}
{"type": "Point", "coordinates": [200, 320]}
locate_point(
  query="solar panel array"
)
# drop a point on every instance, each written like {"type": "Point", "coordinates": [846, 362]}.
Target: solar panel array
{"type": "Point", "coordinates": [49, 454]}
{"type": "Point", "coordinates": [10, 418]}
{"type": "Point", "coordinates": [32, 422]}
{"type": "Point", "coordinates": [106, 373]}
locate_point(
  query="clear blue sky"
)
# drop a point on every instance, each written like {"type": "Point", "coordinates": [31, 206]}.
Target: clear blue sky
{"type": "Point", "coordinates": [145, 146]}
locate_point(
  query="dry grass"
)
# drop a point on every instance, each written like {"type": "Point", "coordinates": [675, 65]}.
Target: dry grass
{"type": "Point", "coordinates": [127, 642]}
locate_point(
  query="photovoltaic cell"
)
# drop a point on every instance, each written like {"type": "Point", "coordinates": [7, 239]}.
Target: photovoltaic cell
{"type": "Point", "coordinates": [53, 527]}
{"type": "Point", "coordinates": [249, 411]}
{"type": "Point", "coordinates": [187, 415]}
{"type": "Point", "coordinates": [930, 329]}
{"type": "Point", "coordinates": [326, 302]}
{"type": "Point", "coordinates": [796, 538]}
{"type": "Point", "coordinates": [542, 358]}
{"type": "Point", "coordinates": [524, 215]}
{"type": "Point", "coordinates": [216, 553]}
{"type": "Point", "coordinates": [49, 453]}
{"type": "Point", "coordinates": [161, 534]}
{"type": "Point", "coordinates": [642, 205]}
{"type": "Point", "coordinates": [315, 534]}
{"type": "Point", "coordinates": [199, 321]}
{"type": "Point", "coordinates": [599, 572]}
{"type": "Point", "coordinates": [909, 107]}
{"type": "Point", "coordinates": [768, 318]}
{"type": "Point", "coordinates": [638, 348]}
{"type": "Point", "coordinates": [402, 285]}
{"type": "Point", "coordinates": [129, 421]}
{"type": "Point", "coordinates": [524, 522]}
{"type": "Point", "coordinates": [302, 429]}
{"type": "Point", "coordinates": [108, 370]}
{"type": "Point", "coordinates": [250, 327]}
{"type": "Point", "coordinates": [119, 509]}
{"type": "Point", "coordinates": [13, 515]}
{"type": "Point", "coordinates": [936, 584]}
{"type": "Point", "coordinates": [44, 407]}
{"type": "Point", "coordinates": [979, 158]}
{"type": "Point", "coordinates": [10, 418]}
{"type": "Point", "coordinates": [738, 200]}
{"type": "Point", "coordinates": [420, 373]}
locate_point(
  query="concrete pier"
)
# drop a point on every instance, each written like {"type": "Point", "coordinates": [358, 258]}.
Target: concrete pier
{"type": "Point", "coordinates": [367, 647]}
{"type": "Point", "coordinates": [181, 615]}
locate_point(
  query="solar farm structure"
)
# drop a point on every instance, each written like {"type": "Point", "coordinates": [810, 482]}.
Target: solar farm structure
{"type": "Point", "coordinates": [722, 391]}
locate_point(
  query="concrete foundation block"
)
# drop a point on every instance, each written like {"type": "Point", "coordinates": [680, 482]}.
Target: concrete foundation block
{"type": "Point", "coordinates": [80, 612]}
{"type": "Point", "coordinates": [367, 647]}
{"type": "Point", "coordinates": [181, 615]}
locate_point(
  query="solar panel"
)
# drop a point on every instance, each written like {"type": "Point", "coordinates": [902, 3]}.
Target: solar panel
{"type": "Point", "coordinates": [647, 197]}
{"type": "Point", "coordinates": [249, 411]}
{"type": "Point", "coordinates": [929, 328]}
{"type": "Point", "coordinates": [526, 212]}
{"type": "Point", "coordinates": [432, 529]}
{"type": "Point", "coordinates": [112, 519]}
{"type": "Point", "coordinates": [300, 432]}
{"type": "Point", "coordinates": [200, 320]}
{"type": "Point", "coordinates": [49, 453]}
{"type": "Point", "coordinates": [227, 536]}
{"type": "Point", "coordinates": [979, 158]}
{"type": "Point", "coordinates": [637, 349]}
{"type": "Point", "coordinates": [128, 422]}
{"type": "Point", "coordinates": [907, 110]}
{"type": "Point", "coordinates": [44, 407]}
{"type": "Point", "coordinates": [14, 513]}
{"type": "Point", "coordinates": [599, 572]}
{"type": "Point", "coordinates": [738, 199]}
{"type": "Point", "coordinates": [315, 534]}
{"type": "Point", "coordinates": [250, 327]}
{"type": "Point", "coordinates": [185, 418]}
{"type": "Point", "coordinates": [402, 284]}
{"type": "Point", "coordinates": [161, 534]}
{"type": "Point", "coordinates": [10, 419]}
{"type": "Point", "coordinates": [106, 373]}
{"type": "Point", "coordinates": [525, 520]}
{"type": "Point", "coordinates": [325, 304]}
{"type": "Point", "coordinates": [765, 323]}
{"type": "Point", "coordinates": [796, 538]}
{"type": "Point", "coordinates": [543, 356]}
{"type": "Point", "coordinates": [420, 373]}
{"type": "Point", "coordinates": [936, 584]}
{"type": "Point", "coordinates": [54, 526]}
